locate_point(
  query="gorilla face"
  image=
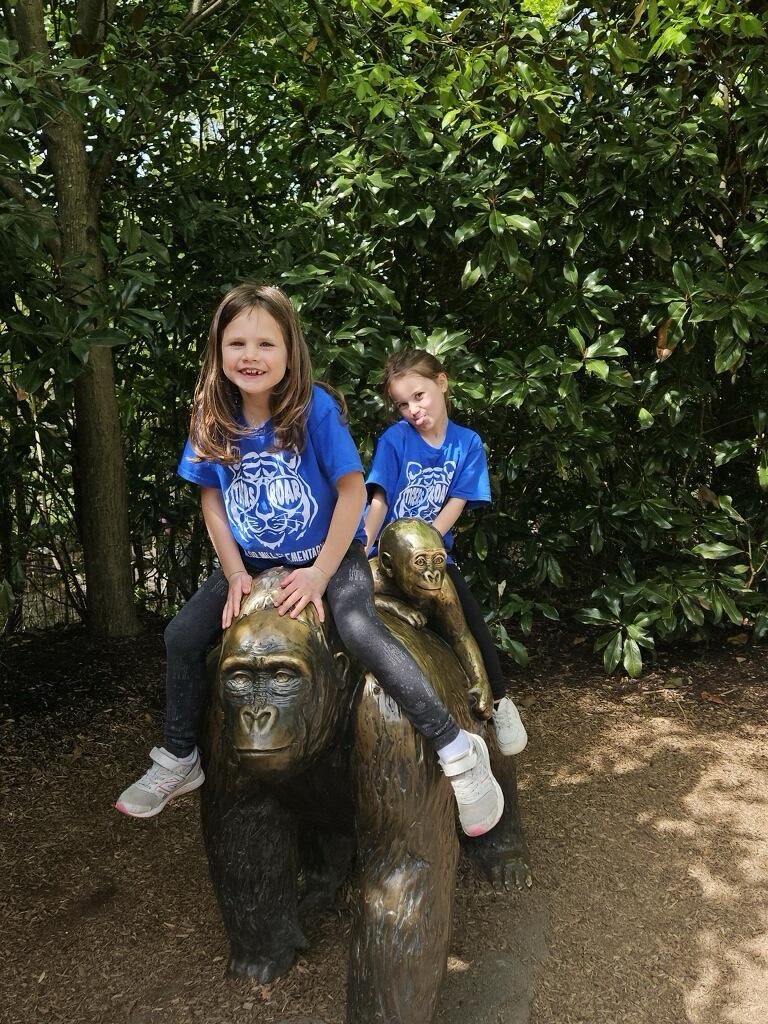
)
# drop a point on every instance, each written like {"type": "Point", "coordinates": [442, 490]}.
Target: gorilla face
{"type": "Point", "coordinates": [412, 554]}
{"type": "Point", "coordinates": [280, 691]}
{"type": "Point", "coordinates": [422, 572]}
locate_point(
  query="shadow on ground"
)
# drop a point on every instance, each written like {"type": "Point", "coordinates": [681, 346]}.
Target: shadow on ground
{"type": "Point", "coordinates": [647, 818]}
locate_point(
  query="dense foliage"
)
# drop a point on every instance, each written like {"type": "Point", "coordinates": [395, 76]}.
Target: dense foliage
{"type": "Point", "coordinates": [568, 206]}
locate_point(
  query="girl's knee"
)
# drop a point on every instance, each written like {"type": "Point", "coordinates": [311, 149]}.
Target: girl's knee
{"type": "Point", "coordinates": [357, 630]}
{"type": "Point", "coordinates": [178, 637]}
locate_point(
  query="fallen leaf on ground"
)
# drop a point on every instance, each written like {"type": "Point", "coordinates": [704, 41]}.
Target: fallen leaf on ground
{"type": "Point", "coordinates": [711, 698]}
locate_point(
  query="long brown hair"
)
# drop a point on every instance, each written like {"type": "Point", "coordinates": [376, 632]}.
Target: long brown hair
{"type": "Point", "coordinates": [216, 420]}
{"type": "Point", "coordinates": [414, 360]}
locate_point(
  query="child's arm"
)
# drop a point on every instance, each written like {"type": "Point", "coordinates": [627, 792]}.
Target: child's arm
{"type": "Point", "coordinates": [303, 586]}
{"type": "Point", "coordinates": [225, 546]}
{"type": "Point", "coordinates": [377, 512]}
{"type": "Point", "coordinates": [448, 515]}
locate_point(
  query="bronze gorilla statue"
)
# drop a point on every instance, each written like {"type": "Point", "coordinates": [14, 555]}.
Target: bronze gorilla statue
{"type": "Point", "coordinates": [311, 768]}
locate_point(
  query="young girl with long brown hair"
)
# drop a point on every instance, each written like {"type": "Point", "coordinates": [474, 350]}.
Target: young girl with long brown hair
{"type": "Point", "coordinates": [282, 485]}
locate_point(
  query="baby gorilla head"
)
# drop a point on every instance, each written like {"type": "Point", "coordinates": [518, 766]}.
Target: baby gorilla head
{"type": "Point", "coordinates": [279, 689]}
{"type": "Point", "coordinates": [412, 555]}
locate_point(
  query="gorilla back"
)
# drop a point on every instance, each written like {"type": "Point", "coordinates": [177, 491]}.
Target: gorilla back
{"type": "Point", "coordinates": [308, 762]}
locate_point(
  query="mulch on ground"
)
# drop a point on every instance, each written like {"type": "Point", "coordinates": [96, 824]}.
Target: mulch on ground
{"type": "Point", "coordinates": [645, 808]}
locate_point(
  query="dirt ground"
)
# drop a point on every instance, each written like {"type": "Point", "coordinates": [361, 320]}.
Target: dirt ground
{"type": "Point", "coordinates": [645, 805]}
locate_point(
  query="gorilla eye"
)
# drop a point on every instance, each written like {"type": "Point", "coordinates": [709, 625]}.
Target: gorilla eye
{"type": "Point", "coordinates": [283, 676]}
{"type": "Point", "coordinates": [421, 561]}
{"type": "Point", "coordinates": [239, 684]}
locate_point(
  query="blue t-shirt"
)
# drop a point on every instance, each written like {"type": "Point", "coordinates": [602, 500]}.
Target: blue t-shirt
{"type": "Point", "coordinates": [418, 479]}
{"type": "Point", "coordinates": [279, 503]}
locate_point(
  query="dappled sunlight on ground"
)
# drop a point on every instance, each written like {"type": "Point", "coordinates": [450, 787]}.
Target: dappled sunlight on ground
{"type": "Point", "coordinates": [651, 832]}
{"type": "Point", "coordinates": [647, 819]}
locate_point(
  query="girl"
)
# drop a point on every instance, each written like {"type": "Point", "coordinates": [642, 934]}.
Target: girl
{"type": "Point", "coordinates": [281, 484]}
{"type": "Point", "coordinates": [427, 467]}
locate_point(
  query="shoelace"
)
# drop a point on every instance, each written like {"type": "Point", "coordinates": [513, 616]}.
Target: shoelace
{"type": "Point", "coordinates": [156, 776]}
{"type": "Point", "coordinates": [472, 784]}
{"type": "Point", "coordinates": [504, 715]}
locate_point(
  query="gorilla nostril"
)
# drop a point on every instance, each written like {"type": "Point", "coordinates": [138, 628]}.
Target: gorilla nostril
{"type": "Point", "coordinates": [266, 718]}
{"type": "Point", "coordinates": [260, 721]}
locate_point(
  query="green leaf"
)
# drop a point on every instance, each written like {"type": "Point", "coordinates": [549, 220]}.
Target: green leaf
{"type": "Point", "coordinates": [470, 276]}
{"type": "Point", "coordinates": [612, 652]}
{"type": "Point", "coordinates": [525, 226]}
{"type": "Point", "coordinates": [107, 337]}
{"type": "Point", "coordinates": [593, 616]}
{"type": "Point", "coordinates": [633, 659]}
{"type": "Point", "coordinates": [510, 646]}
{"type": "Point", "coordinates": [596, 538]}
{"type": "Point", "coordinates": [625, 568]}
{"type": "Point", "coordinates": [716, 550]}
{"type": "Point", "coordinates": [683, 277]}
{"type": "Point", "coordinates": [597, 367]}
{"type": "Point", "coordinates": [496, 222]}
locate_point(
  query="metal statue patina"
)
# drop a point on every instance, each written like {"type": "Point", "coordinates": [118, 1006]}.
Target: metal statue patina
{"type": "Point", "coordinates": [309, 765]}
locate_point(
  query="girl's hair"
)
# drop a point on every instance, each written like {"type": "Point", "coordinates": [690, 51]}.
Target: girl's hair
{"type": "Point", "coordinates": [216, 417]}
{"type": "Point", "coordinates": [415, 360]}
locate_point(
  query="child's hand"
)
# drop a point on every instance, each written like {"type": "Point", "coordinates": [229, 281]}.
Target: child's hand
{"type": "Point", "coordinates": [239, 585]}
{"type": "Point", "coordinates": [300, 588]}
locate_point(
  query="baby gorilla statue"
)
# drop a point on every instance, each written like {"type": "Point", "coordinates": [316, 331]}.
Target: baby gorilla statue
{"type": "Point", "coordinates": [411, 568]}
{"type": "Point", "coordinates": [311, 767]}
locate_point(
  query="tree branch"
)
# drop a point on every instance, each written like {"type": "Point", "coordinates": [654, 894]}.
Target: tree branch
{"type": "Point", "coordinates": [197, 13]}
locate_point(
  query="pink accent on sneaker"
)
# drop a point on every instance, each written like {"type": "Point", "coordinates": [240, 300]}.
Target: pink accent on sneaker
{"type": "Point", "coordinates": [477, 831]}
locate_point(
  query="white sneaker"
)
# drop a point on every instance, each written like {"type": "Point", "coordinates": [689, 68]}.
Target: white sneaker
{"type": "Point", "coordinates": [511, 736]}
{"type": "Point", "coordinates": [168, 777]}
{"type": "Point", "coordinates": [478, 794]}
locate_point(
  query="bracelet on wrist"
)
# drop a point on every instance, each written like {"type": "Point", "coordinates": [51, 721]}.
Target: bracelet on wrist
{"type": "Point", "coordinates": [238, 572]}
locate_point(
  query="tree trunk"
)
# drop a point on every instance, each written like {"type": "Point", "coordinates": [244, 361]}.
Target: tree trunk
{"type": "Point", "coordinates": [101, 491]}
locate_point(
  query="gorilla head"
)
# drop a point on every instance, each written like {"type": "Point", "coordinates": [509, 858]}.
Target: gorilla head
{"type": "Point", "coordinates": [412, 555]}
{"type": "Point", "coordinates": [279, 688]}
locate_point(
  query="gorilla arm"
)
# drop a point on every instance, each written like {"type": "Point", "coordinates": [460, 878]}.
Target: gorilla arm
{"type": "Point", "coordinates": [390, 599]}
{"type": "Point", "coordinates": [449, 621]}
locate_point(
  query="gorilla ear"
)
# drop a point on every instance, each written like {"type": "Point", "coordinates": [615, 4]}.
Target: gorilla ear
{"type": "Point", "coordinates": [341, 660]}
{"type": "Point", "coordinates": [385, 561]}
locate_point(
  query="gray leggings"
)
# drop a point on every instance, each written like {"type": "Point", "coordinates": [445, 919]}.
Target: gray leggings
{"type": "Point", "coordinates": [191, 633]}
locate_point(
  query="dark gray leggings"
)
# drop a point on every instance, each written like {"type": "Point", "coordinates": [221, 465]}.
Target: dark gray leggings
{"type": "Point", "coordinates": [473, 613]}
{"type": "Point", "coordinates": [197, 626]}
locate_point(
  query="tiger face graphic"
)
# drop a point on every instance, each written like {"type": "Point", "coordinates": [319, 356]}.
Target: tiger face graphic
{"type": "Point", "coordinates": [267, 501]}
{"type": "Point", "coordinates": [425, 493]}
